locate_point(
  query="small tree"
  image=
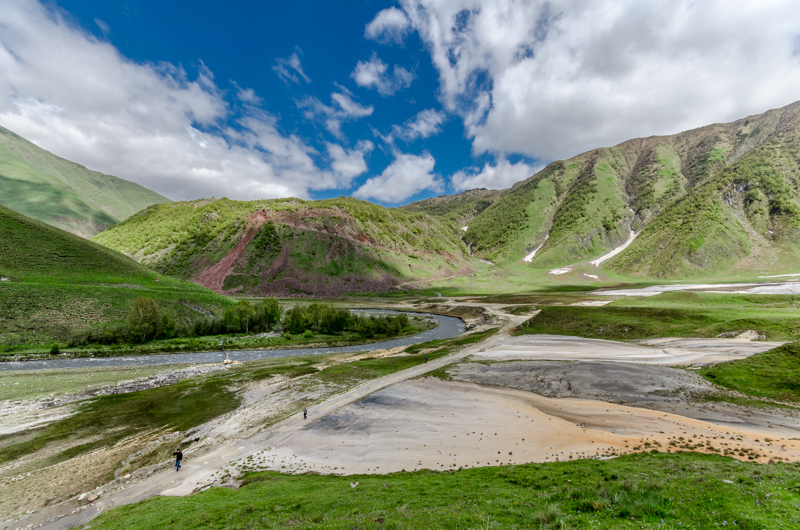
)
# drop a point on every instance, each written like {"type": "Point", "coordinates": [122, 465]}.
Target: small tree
{"type": "Point", "coordinates": [144, 319]}
{"type": "Point", "coordinates": [239, 317]}
{"type": "Point", "coordinates": [269, 313]}
{"type": "Point", "coordinates": [294, 320]}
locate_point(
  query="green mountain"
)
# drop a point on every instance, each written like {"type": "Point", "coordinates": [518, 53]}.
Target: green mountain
{"type": "Point", "coordinates": [292, 246]}
{"type": "Point", "coordinates": [54, 284]}
{"type": "Point", "coordinates": [716, 201]}
{"type": "Point", "coordinates": [64, 194]}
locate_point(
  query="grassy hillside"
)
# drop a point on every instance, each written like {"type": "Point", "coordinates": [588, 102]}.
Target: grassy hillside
{"type": "Point", "coordinates": [459, 209]}
{"type": "Point", "coordinates": [718, 200]}
{"type": "Point", "coordinates": [54, 284]}
{"type": "Point", "coordinates": [291, 246]}
{"type": "Point", "coordinates": [64, 194]}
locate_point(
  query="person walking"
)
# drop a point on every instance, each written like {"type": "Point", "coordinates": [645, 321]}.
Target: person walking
{"type": "Point", "coordinates": [178, 454]}
{"type": "Point", "coordinates": [305, 413]}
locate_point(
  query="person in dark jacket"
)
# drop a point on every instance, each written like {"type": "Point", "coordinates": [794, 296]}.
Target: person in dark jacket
{"type": "Point", "coordinates": [178, 454]}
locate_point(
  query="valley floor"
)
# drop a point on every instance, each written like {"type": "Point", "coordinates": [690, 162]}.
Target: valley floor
{"type": "Point", "coordinates": [504, 400]}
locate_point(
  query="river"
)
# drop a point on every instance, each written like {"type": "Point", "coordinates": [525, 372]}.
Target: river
{"type": "Point", "coordinates": [447, 328]}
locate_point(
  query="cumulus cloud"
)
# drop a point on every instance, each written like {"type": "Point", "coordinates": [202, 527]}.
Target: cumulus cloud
{"type": "Point", "coordinates": [376, 74]}
{"type": "Point", "coordinates": [349, 164]}
{"type": "Point", "coordinates": [494, 177]}
{"type": "Point", "coordinates": [290, 70]}
{"type": "Point", "coordinates": [425, 124]}
{"type": "Point", "coordinates": [154, 124]}
{"type": "Point", "coordinates": [389, 25]}
{"type": "Point", "coordinates": [552, 79]}
{"type": "Point", "coordinates": [406, 176]}
{"type": "Point", "coordinates": [342, 108]}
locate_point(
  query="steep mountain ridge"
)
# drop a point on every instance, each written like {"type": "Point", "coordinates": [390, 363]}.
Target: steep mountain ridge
{"type": "Point", "coordinates": [720, 198]}
{"type": "Point", "coordinates": [64, 194]}
{"type": "Point", "coordinates": [291, 246]}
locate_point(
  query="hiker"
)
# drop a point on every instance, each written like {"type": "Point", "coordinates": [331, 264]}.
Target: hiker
{"type": "Point", "coordinates": [426, 358]}
{"type": "Point", "coordinates": [178, 454]}
{"type": "Point", "coordinates": [305, 413]}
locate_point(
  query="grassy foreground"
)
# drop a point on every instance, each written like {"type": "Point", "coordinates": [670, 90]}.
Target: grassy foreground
{"type": "Point", "coordinates": [636, 491]}
{"type": "Point", "coordinates": [676, 314]}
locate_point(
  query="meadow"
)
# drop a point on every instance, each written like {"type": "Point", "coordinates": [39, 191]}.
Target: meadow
{"type": "Point", "coordinates": [675, 314]}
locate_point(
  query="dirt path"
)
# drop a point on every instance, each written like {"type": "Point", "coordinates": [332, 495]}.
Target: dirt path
{"type": "Point", "coordinates": [202, 471]}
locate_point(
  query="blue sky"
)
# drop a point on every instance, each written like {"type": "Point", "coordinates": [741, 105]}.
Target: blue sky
{"type": "Point", "coordinates": [386, 101]}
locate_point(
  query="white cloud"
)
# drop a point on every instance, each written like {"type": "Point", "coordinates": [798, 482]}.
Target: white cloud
{"type": "Point", "coordinates": [552, 79]}
{"type": "Point", "coordinates": [499, 176]}
{"type": "Point", "coordinates": [247, 95]}
{"type": "Point", "coordinates": [78, 97]}
{"type": "Point", "coordinates": [349, 164]}
{"type": "Point", "coordinates": [343, 108]}
{"type": "Point", "coordinates": [375, 74]}
{"type": "Point", "coordinates": [406, 176]}
{"type": "Point", "coordinates": [388, 25]}
{"type": "Point", "coordinates": [290, 70]}
{"type": "Point", "coordinates": [425, 124]}
{"type": "Point", "coordinates": [105, 28]}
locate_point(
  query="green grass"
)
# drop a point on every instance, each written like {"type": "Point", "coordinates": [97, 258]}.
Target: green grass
{"type": "Point", "coordinates": [674, 315]}
{"type": "Point", "coordinates": [773, 374]}
{"type": "Point", "coordinates": [637, 491]}
{"type": "Point", "coordinates": [19, 385]}
{"type": "Point", "coordinates": [61, 284]}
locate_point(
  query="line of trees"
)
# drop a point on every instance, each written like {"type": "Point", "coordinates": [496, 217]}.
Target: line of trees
{"type": "Point", "coordinates": [324, 318]}
{"type": "Point", "coordinates": [147, 322]}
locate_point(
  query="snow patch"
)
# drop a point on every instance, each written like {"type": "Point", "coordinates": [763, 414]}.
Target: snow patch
{"type": "Point", "coordinates": [592, 276]}
{"type": "Point", "coordinates": [562, 270]}
{"type": "Point", "coordinates": [616, 251]}
{"type": "Point", "coordinates": [530, 256]}
{"type": "Point", "coordinates": [593, 303]}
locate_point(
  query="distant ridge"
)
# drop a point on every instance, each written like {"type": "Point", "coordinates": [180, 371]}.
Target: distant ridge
{"type": "Point", "coordinates": [718, 200]}
{"type": "Point", "coordinates": [45, 187]}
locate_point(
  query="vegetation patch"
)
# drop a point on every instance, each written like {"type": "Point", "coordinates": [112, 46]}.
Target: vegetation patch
{"type": "Point", "coordinates": [677, 314]}
{"type": "Point", "coordinates": [773, 374]}
{"type": "Point", "coordinates": [650, 490]}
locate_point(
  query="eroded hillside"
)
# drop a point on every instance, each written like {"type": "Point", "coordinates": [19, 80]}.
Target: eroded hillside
{"type": "Point", "coordinates": [291, 246]}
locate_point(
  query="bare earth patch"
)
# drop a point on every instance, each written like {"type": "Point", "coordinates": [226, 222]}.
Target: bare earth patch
{"type": "Point", "coordinates": [435, 424]}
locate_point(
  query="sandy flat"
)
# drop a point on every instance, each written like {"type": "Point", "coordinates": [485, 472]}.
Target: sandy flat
{"type": "Point", "coordinates": [434, 424]}
{"type": "Point", "coordinates": [669, 352]}
{"type": "Point", "coordinates": [672, 390]}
